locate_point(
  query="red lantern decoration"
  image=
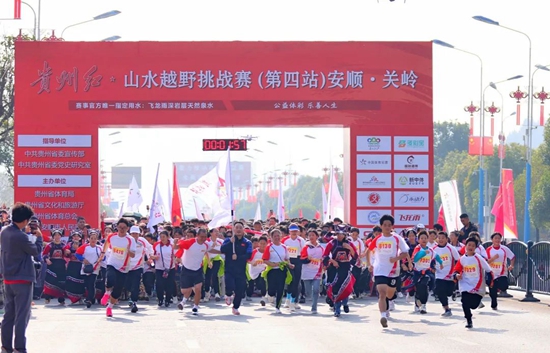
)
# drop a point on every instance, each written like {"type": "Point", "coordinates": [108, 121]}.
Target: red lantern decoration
{"type": "Point", "coordinates": [471, 109]}
{"type": "Point", "coordinates": [492, 109]}
{"type": "Point", "coordinates": [542, 95]}
{"type": "Point", "coordinates": [518, 96]}
{"type": "Point", "coordinates": [295, 175]}
{"type": "Point", "coordinates": [285, 173]}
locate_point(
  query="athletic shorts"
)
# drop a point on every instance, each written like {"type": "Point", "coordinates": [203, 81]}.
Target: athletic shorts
{"type": "Point", "coordinates": [389, 281]}
{"type": "Point", "coordinates": [190, 278]}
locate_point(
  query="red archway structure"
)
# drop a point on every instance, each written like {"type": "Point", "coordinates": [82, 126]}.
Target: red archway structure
{"type": "Point", "coordinates": [380, 92]}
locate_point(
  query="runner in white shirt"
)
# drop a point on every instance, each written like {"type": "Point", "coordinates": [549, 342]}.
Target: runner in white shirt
{"type": "Point", "coordinates": [143, 248]}
{"type": "Point", "coordinates": [165, 271]}
{"type": "Point", "coordinates": [444, 282]}
{"type": "Point", "coordinates": [256, 266]}
{"type": "Point", "coordinates": [294, 244]}
{"type": "Point", "coordinates": [90, 254]}
{"type": "Point", "coordinates": [498, 256]}
{"type": "Point", "coordinates": [388, 250]}
{"type": "Point", "coordinates": [123, 247]}
{"type": "Point", "coordinates": [191, 254]}
{"type": "Point", "coordinates": [312, 270]}
{"type": "Point", "coordinates": [361, 263]}
{"type": "Point", "coordinates": [211, 277]}
{"type": "Point", "coordinates": [470, 273]}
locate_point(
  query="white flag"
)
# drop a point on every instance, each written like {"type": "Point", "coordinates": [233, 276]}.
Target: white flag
{"type": "Point", "coordinates": [258, 215]}
{"type": "Point", "coordinates": [197, 210]}
{"type": "Point", "coordinates": [335, 200]}
{"type": "Point", "coordinates": [156, 213]}
{"type": "Point", "coordinates": [281, 203]}
{"type": "Point", "coordinates": [223, 210]}
{"type": "Point", "coordinates": [121, 211]}
{"type": "Point", "coordinates": [134, 196]}
{"type": "Point", "coordinates": [169, 196]}
{"type": "Point", "coordinates": [325, 206]}
{"type": "Point", "coordinates": [451, 204]}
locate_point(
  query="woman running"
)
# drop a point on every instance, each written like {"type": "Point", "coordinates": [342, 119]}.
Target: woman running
{"type": "Point", "coordinates": [444, 283]}
{"type": "Point", "coordinates": [74, 286]}
{"type": "Point", "coordinates": [277, 259]}
{"type": "Point", "coordinates": [423, 259]}
{"type": "Point", "coordinates": [498, 256]}
{"type": "Point", "coordinates": [90, 255]}
{"type": "Point", "coordinates": [312, 257]}
{"type": "Point", "coordinates": [340, 254]}
{"type": "Point", "coordinates": [470, 273]}
{"type": "Point", "coordinates": [56, 271]}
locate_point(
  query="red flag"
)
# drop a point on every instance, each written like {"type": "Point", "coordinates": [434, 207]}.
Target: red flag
{"type": "Point", "coordinates": [509, 205]}
{"type": "Point", "coordinates": [441, 217]}
{"type": "Point", "coordinates": [501, 150]}
{"type": "Point", "coordinates": [176, 201]}
{"type": "Point", "coordinates": [498, 212]}
{"type": "Point", "coordinates": [317, 215]}
{"type": "Point", "coordinates": [17, 10]}
{"type": "Point", "coordinates": [300, 214]}
{"type": "Point", "coordinates": [474, 146]}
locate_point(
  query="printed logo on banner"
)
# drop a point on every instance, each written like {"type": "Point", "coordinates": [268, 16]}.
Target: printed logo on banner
{"type": "Point", "coordinates": [374, 162]}
{"type": "Point", "coordinates": [411, 199]}
{"type": "Point", "coordinates": [411, 144]}
{"type": "Point", "coordinates": [374, 143]}
{"type": "Point", "coordinates": [410, 162]}
{"type": "Point", "coordinates": [407, 217]}
{"type": "Point", "coordinates": [373, 180]}
{"type": "Point", "coordinates": [411, 181]}
{"type": "Point", "coordinates": [370, 217]}
{"type": "Point", "coordinates": [374, 198]}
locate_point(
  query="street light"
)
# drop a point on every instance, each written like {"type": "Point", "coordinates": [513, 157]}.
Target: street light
{"type": "Point", "coordinates": [116, 142]}
{"type": "Point", "coordinates": [527, 215]}
{"type": "Point", "coordinates": [257, 150]}
{"type": "Point", "coordinates": [273, 143]}
{"type": "Point", "coordinates": [310, 137]}
{"type": "Point", "coordinates": [481, 173]}
{"type": "Point", "coordinates": [249, 156]}
{"type": "Point", "coordinates": [114, 133]}
{"type": "Point", "coordinates": [98, 17]}
{"type": "Point", "coordinates": [35, 28]}
{"type": "Point", "coordinates": [111, 39]}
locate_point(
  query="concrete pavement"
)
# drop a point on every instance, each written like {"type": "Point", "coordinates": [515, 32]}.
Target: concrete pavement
{"type": "Point", "coordinates": [516, 327]}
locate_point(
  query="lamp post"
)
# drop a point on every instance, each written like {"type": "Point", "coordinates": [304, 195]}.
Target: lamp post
{"type": "Point", "coordinates": [529, 134]}
{"type": "Point", "coordinates": [501, 143]}
{"type": "Point", "coordinates": [98, 17]}
{"type": "Point", "coordinates": [481, 172]}
{"type": "Point", "coordinates": [35, 23]}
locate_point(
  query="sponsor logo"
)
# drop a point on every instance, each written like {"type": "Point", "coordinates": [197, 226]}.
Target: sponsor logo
{"type": "Point", "coordinates": [412, 199]}
{"type": "Point", "coordinates": [403, 180]}
{"type": "Point", "coordinates": [410, 217]}
{"type": "Point", "coordinates": [419, 144]}
{"type": "Point", "coordinates": [412, 181]}
{"type": "Point", "coordinates": [373, 143]}
{"type": "Point", "coordinates": [375, 181]}
{"type": "Point", "coordinates": [374, 217]}
{"type": "Point", "coordinates": [374, 198]}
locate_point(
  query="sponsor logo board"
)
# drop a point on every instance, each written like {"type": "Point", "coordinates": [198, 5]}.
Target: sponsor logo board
{"type": "Point", "coordinates": [374, 180]}
{"type": "Point", "coordinates": [410, 162]}
{"type": "Point", "coordinates": [407, 217]}
{"type": "Point", "coordinates": [374, 161]}
{"type": "Point", "coordinates": [371, 217]}
{"type": "Point", "coordinates": [374, 199]}
{"type": "Point", "coordinates": [373, 143]}
{"type": "Point", "coordinates": [411, 180]}
{"type": "Point", "coordinates": [411, 144]}
{"type": "Point", "coordinates": [411, 199]}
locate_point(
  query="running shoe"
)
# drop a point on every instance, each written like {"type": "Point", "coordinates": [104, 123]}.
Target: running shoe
{"type": "Point", "coordinates": [88, 304]}
{"type": "Point", "coordinates": [109, 312]}
{"type": "Point", "coordinates": [388, 315]}
{"type": "Point", "coordinates": [228, 300]}
{"type": "Point", "coordinates": [217, 297]}
{"type": "Point", "coordinates": [278, 311]}
{"type": "Point", "coordinates": [423, 309]}
{"type": "Point", "coordinates": [454, 296]}
{"type": "Point", "coordinates": [130, 303]}
{"type": "Point", "coordinates": [167, 304]}
{"type": "Point", "coordinates": [134, 308]}
{"type": "Point", "coordinates": [287, 303]}
{"type": "Point", "coordinates": [336, 314]}
{"type": "Point", "coordinates": [384, 322]}
{"type": "Point", "coordinates": [481, 305]}
{"type": "Point", "coordinates": [346, 309]}
{"type": "Point", "coordinates": [399, 295]}
{"type": "Point", "coordinates": [160, 303]}
{"type": "Point", "coordinates": [447, 313]}
{"type": "Point", "coordinates": [313, 311]}
{"type": "Point", "coordinates": [297, 306]}
{"type": "Point", "coordinates": [236, 312]}
{"type": "Point", "coordinates": [182, 303]}
{"type": "Point", "coordinates": [302, 300]}
{"type": "Point", "coordinates": [392, 305]}
{"type": "Point", "coordinates": [195, 310]}
{"type": "Point", "coordinates": [469, 323]}
{"type": "Point", "coordinates": [262, 302]}
{"type": "Point", "coordinates": [248, 299]}
{"type": "Point", "coordinates": [105, 299]}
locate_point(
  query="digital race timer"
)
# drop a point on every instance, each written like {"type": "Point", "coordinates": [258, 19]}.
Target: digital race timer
{"type": "Point", "coordinates": [224, 144]}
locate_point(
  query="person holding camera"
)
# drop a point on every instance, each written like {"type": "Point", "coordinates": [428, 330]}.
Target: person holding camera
{"type": "Point", "coordinates": [18, 269]}
{"type": "Point", "coordinates": [165, 269]}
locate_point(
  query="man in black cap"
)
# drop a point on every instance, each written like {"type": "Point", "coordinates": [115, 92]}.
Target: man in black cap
{"type": "Point", "coordinates": [467, 229]}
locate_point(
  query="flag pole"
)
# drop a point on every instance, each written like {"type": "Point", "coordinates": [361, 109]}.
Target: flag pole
{"type": "Point", "coordinates": [179, 192]}
{"type": "Point", "coordinates": [230, 194]}
{"type": "Point", "coordinates": [329, 197]}
{"type": "Point", "coordinates": [151, 209]}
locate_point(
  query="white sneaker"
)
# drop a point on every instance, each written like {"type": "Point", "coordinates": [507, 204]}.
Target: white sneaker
{"type": "Point", "coordinates": [292, 306]}
{"type": "Point", "coordinates": [182, 303]}
{"type": "Point", "coordinates": [416, 308]}
{"type": "Point", "coordinates": [217, 297]}
{"type": "Point", "coordinates": [388, 314]}
{"type": "Point", "coordinates": [408, 298]}
{"type": "Point", "coordinates": [399, 295]}
{"type": "Point", "coordinates": [287, 304]}
{"type": "Point", "coordinates": [392, 305]}
{"type": "Point", "coordinates": [195, 310]}
{"type": "Point", "coordinates": [207, 297]}
{"type": "Point", "coordinates": [423, 309]}
{"type": "Point", "coordinates": [271, 300]}
{"type": "Point", "coordinates": [297, 306]}
{"type": "Point", "coordinates": [278, 312]}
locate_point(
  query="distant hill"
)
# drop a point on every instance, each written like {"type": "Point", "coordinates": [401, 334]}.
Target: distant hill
{"type": "Point", "coordinates": [517, 136]}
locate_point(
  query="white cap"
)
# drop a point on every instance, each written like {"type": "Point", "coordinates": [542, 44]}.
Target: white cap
{"type": "Point", "coordinates": [420, 226]}
{"type": "Point", "coordinates": [135, 229]}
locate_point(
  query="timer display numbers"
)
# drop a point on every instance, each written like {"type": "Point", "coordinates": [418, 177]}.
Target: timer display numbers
{"type": "Point", "coordinates": [224, 144]}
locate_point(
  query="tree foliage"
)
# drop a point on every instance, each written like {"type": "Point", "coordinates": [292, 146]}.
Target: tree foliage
{"type": "Point", "coordinates": [449, 136]}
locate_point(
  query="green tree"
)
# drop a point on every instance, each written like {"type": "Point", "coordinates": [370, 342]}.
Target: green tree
{"type": "Point", "coordinates": [7, 55]}
{"type": "Point", "coordinates": [449, 136]}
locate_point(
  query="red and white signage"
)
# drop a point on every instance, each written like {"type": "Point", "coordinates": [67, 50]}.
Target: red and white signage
{"type": "Point", "coordinates": [380, 92]}
{"type": "Point", "coordinates": [374, 199]}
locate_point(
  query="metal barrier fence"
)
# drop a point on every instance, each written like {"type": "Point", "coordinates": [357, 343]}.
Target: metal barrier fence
{"type": "Point", "coordinates": [531, 272]}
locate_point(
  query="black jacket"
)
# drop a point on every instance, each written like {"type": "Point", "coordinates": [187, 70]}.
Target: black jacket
{"type": "Point", "coordinates": [243, 249]}
{"type": "Point", "coordinates": [16, 255]}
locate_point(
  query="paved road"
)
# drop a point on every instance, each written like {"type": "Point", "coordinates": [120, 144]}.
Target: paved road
{"type": "Point", "coordinates": [516, 327]}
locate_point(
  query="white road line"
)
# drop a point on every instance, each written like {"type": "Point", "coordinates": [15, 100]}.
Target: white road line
{"type": "Point", "coordinates": [192, 344]}
{"type": "Point", "coordinates": [468, 343]}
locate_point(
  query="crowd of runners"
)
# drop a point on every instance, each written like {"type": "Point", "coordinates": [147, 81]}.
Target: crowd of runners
{"type": "Point", "coordinates": [283, 264]}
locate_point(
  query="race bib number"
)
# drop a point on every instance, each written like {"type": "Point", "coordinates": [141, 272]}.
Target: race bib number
{"type": "Point", "coordinates": [118, 252]}
{"type": "Point", "coordinates": [315, 262]}
{"type": "Point", "coordinates": [293, 252]}
{"type": "Point", "coordinates": [385, 248]}
{"type": "Point", "coordinates": [470, 271]}
{"type": "Point", "coordinates": [496, 265]}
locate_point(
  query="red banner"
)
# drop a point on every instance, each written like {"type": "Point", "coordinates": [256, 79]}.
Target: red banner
{"type": "Point", "coordinates": [176, 200]}
{"type": "Point", "coordinates": [66, 91]}
{"type": "Point", "coordinates": [441, 217]}
{"type": "Point", "coordinates": [509, 204]}
{"type": "Point", "coordinates": [498, 212]}
{"type": "Point", "coordinates": [474, 146]}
